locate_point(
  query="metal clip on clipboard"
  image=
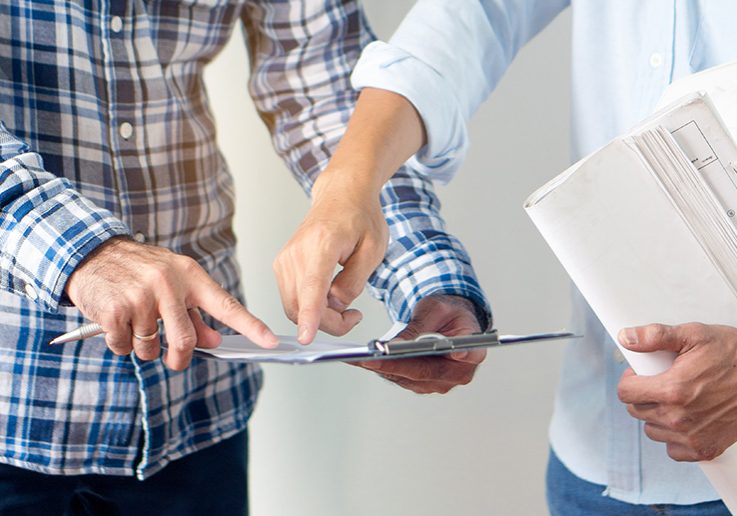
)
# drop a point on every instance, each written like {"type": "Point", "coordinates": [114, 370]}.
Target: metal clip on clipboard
{"type": "Point", "coordinates": [435, 343]}
{"type": "Point", "coordinates": [432, 343]}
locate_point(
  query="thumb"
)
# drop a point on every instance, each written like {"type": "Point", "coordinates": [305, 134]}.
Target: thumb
{"type": "Point", "coordinates": [653, 337]}
{"type": "Point", "coordinates": [417, 326]}
{"type": "Point", "coordinates": [349, 282]}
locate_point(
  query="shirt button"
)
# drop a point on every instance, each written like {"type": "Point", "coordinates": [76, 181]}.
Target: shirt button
{"type": "Point", "coordinates": [139, 237]}
{"type": "Point", "coordinates": [31, 292]}
{"type": "Point", "coordinates": [126, 130]}
{"type": "Point", "coordinates": [116, 24]}
{"type": "Point", "coordinates": [656, 59]}
{"type": "Point", "coordinates": [618, 356]}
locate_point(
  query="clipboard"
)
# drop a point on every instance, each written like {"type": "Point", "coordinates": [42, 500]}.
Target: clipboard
{"type": "Point", "coordinates": [237, 348]}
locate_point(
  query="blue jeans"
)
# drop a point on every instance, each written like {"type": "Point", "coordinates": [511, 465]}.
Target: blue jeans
{"type": "Point", "coordinates": [569, 495]}
{"type": "Point", "coordinates": [209, 482]}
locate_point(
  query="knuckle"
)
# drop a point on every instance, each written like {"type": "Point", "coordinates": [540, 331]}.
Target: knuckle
{"type": "Point", "coordinates": [187, 264]}
{"type": "Point", "coordinates": [695, 328]}
{"type": "Point", "coordinates": [138, 297]}
{"type": "Point", "coordinates": [680, 423]}
{"type": "Point", "coordinates": [323, 233]}
{"type": "Point", "coordinates": [178, 366]}
{"type": "Point", "coordinates": [444, 389]}
{"type": "Point", "coordinates": [707, 453]}
{"type": "Point", "coordinates": [654, 332]}
{"type": "Point", "coordinates": [701, 450]}
{"type": "Point", "coordinates": [650, 432]}
{"type": "Point", "coordinates": [157, 274]}
{"type": "Point", "coordinates": [260, 327]}
{"type": "Point", "coordinates": [147, 351]}
{"type": "Point", "coordinates": [622, 393]}
{"type": "Point", "coordinates": [115, 314]}
{"type": "Point", "coordinates": [675, 394]}
{"type": "Point", "coordinates": [184, 343]}
{"type": "Point", "coordinates": [662, 412]}
{"type": "Point", "coordinates": [176, 320]}
{"type": "Point", "coordinates": [291, 254]}
{"type": "Point", "coordinates": [117, 346]}
{"type": "Point", "coordinates": [230, 304]}
{"type": "Point", "coordinates": [676, 454]}
{"type": "Point", "coordinates": [277, 265]}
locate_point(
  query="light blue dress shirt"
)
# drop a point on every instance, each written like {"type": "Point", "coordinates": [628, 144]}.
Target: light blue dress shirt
{"type": "Point", "coordinates": [448, 55]}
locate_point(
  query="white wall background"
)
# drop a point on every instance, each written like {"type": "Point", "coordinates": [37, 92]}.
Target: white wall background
{"type": "Point", "coordinates": [336, 440]}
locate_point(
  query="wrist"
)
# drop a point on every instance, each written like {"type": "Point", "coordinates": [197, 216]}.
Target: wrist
{"type": "Point", "coordinates": [82, 267]}
{"type": "Point", "coordinates": [361, 185]}
{"type": "Point", "coordinates": [472, 304]}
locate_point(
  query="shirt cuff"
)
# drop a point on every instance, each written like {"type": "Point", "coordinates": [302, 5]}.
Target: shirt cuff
{"type": "Point", "coordinates": [436, 264]}
{"type": "Point", "coordinates": [387, 67]}
{"type": "Point", "coordinates": [46, 227]}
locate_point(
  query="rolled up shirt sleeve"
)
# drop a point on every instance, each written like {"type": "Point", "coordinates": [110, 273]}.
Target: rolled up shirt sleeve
{"type": "Point", "coordinates": [46, 227]}
{"type": "Point", "coordinates": [422, 258]}
{"type": "Point", "coordinates": [446, 57]}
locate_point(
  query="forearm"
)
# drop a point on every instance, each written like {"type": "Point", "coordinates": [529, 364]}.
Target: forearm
{"type": "Point", "coordinates": [384, 131]}
{"type": "Point", "coordinates": [445, 58]}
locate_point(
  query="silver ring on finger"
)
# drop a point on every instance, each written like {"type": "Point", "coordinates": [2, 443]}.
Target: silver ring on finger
{"type": "Point", "coordinates": [146, 338]}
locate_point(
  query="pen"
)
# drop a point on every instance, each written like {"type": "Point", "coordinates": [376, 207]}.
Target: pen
{"type": "Point", "coordinates": [91, 329]}
{"type": "Point", "coordinates": [83, 332]}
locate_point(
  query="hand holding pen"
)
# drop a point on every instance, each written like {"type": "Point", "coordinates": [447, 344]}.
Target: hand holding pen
{"type": "Point", "coordinates": [93, 329]}
{"type": "Point", "coordinates": [127, 287]}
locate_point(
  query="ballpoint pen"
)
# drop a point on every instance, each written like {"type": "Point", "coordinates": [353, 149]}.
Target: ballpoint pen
{"type": "Point", "coordinates": [90, 330]}
{"type": "Point", "coordinates": [83, 332]}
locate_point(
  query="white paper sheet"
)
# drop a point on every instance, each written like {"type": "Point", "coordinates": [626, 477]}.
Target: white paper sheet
{"type": "Point", "coordinates": [238, 347]}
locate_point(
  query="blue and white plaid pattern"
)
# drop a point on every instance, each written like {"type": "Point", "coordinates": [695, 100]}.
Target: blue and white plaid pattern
{"type": "Point", "coordinates": [72, 77]}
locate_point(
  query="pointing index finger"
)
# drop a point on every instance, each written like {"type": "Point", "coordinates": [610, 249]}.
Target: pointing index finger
{"type": "Point", "coordinates": [227, 309]}
{"type": "Point", "coordinates": [312, 295]}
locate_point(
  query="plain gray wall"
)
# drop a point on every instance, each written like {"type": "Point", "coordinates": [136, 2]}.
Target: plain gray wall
{"type": "Point", "coordinates": [337, 440]}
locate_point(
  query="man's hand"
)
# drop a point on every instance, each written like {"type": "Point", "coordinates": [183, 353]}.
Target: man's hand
{"type": "Point", "coordinates": [126, 287]}
{"type": "Point", "coordinates": [340, 228]}
{"type": "Point", "coordinates": [692, 407]}
{"type": "Point", "coordinates": [345, 225]}
{"type": "Point", "coordinates": [451, 316]}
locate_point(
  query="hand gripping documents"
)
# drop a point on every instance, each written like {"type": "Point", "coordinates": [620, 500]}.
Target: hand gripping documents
{"type": "Point", "coordinates": [647, 225]}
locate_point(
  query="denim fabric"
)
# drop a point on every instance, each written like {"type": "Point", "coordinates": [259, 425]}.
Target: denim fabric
{"type": "Point", "coordinates": [211, 481]}
{"type": "Point", "coordinates": [569, 495]}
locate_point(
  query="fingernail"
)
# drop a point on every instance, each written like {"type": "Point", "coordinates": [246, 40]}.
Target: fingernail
{"type": "Point", "coordinates": [304, 333]}
{"type": "Point", "coordinates": [459, 355]}
{"type": "Point", "coordinates": [628, 337]}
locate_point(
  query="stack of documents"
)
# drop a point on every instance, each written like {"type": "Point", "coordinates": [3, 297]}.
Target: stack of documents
{"type": "Point", "coordinates": [645, 226]}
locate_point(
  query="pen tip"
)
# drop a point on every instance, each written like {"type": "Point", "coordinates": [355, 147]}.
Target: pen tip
{"type": "Point", "coordinates": [54, 341]}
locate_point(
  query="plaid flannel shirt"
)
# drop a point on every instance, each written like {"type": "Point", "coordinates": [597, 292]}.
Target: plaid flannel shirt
{"type": "Point", "coordinates": [107, 131]}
